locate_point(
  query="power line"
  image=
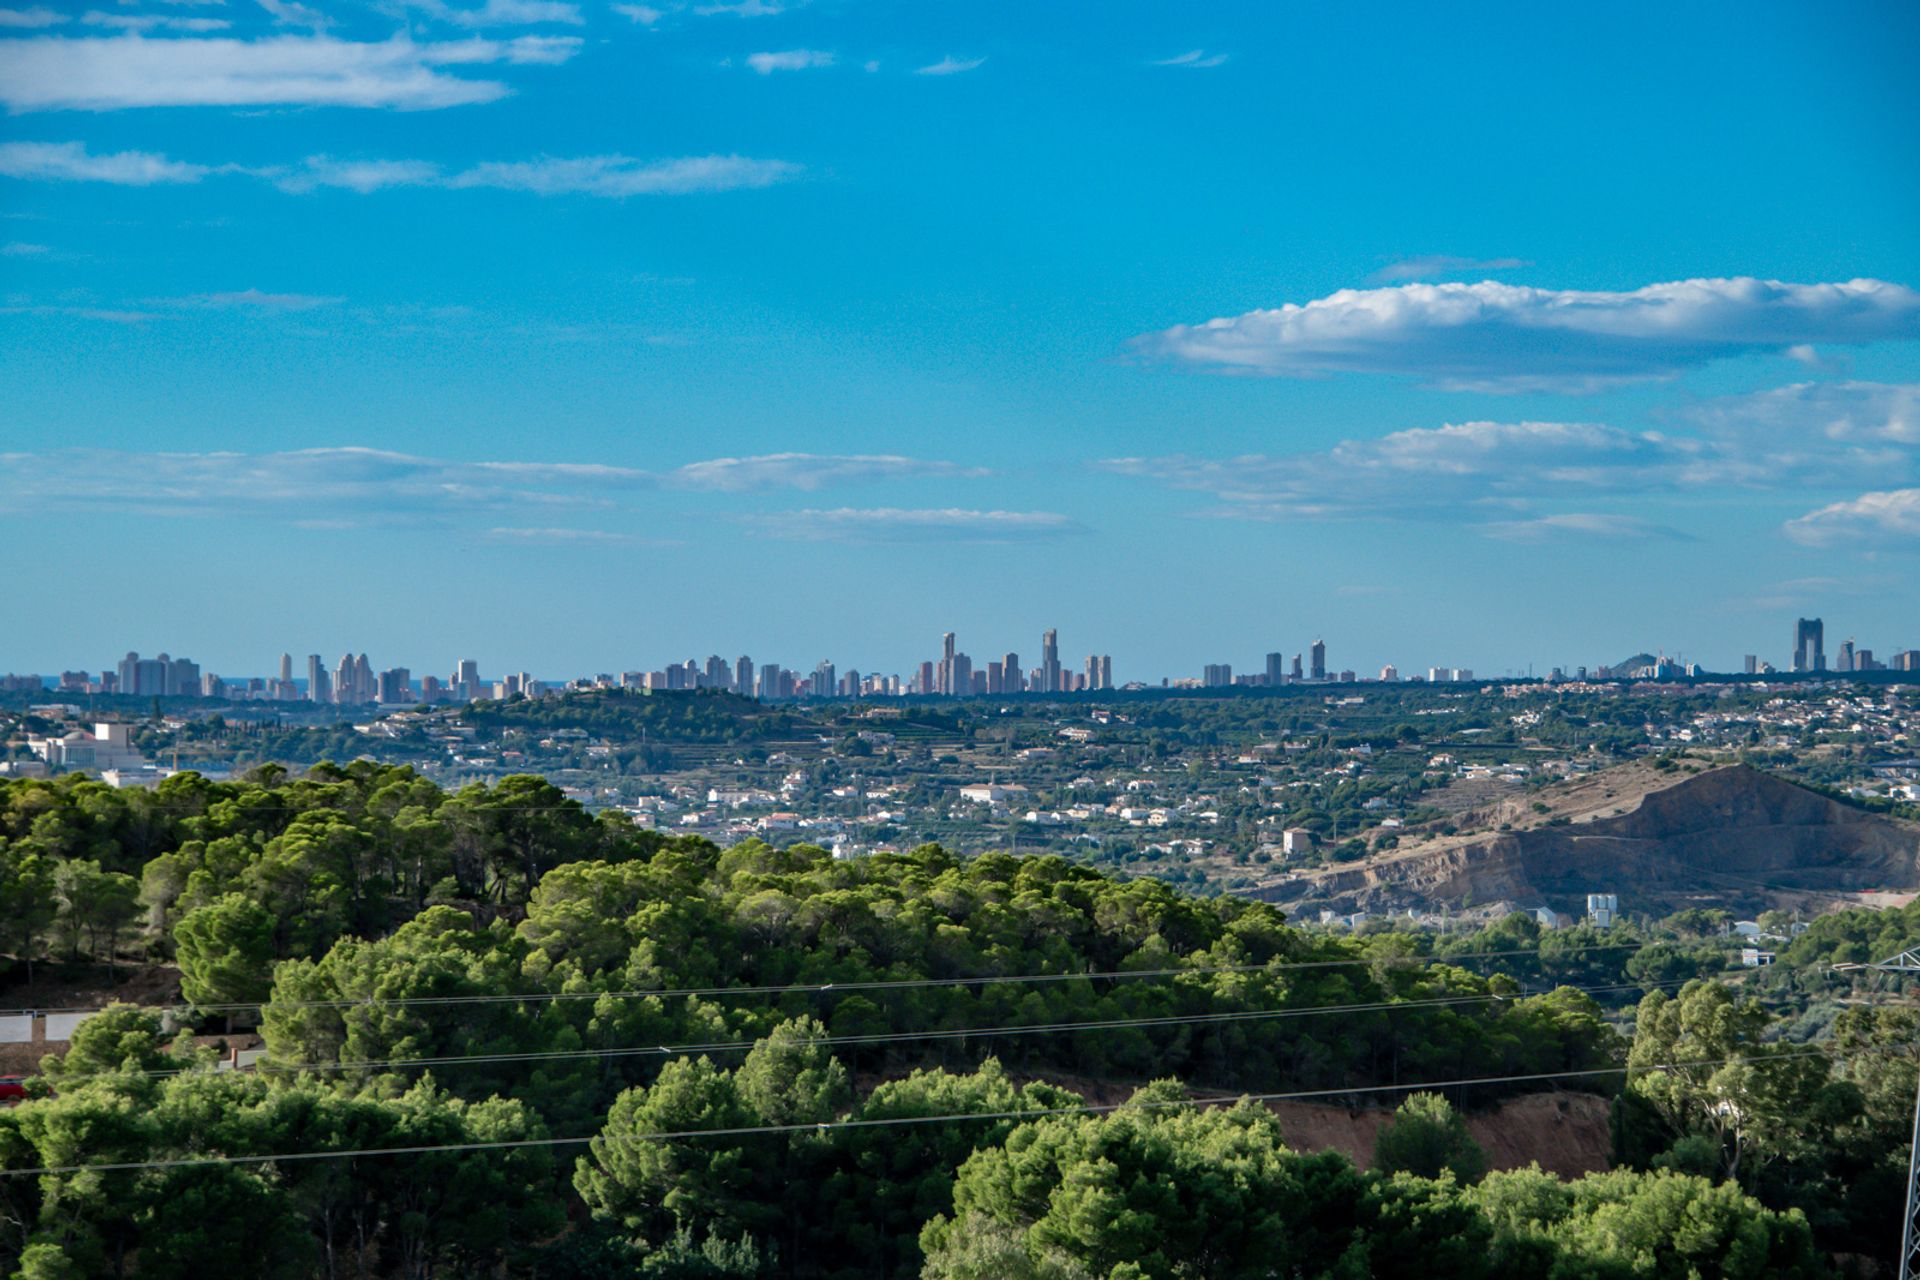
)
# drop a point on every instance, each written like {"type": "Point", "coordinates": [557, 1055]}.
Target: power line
{"type": "Point", "coordinates": [828, 1126]}
{"type": "Point", "coordinates": [877, 984]}
{"type": "Point", "coordinates": [893, 1037]}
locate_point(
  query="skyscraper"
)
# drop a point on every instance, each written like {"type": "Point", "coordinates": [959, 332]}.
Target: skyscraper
{"type": "Point", "coordinates": [1809, 645]}
{"type": "Point", "coordinates": [1319, 653]}
{"type": "Point", "coordinates": [286, 668]}
{"type": "Point", "coordinates": [1276, 668]}
{"type": "Point", "coordinates": [394, 686]}
{"type": "Point", "coordinates": [743, 676]}
{"type": "Point", "coordinates": [943, 678]}
{"type": "Point", "coordinates": [319, 686]}
{"type": "Point", "coordinates": [1012, 678]}
{"type": "Point", "coordinates": [1050, 661]}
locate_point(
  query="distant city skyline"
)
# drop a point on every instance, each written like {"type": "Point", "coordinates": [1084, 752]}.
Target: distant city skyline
{"type": "Point", "coordinates": [355, 679]}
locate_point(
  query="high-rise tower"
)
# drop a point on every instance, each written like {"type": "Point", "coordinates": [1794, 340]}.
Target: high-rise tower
{"type": "Point", "coordinates": [1809, 645]}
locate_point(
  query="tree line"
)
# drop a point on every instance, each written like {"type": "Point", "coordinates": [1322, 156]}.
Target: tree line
{"type": "Point", "coordinates": [498, 965]}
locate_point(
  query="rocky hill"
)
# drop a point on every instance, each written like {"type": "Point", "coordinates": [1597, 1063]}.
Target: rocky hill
{"type": "Point", "coordinates": [1662, 839]}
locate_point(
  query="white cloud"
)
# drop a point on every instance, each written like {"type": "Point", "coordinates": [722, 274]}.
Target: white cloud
{"type": "Point", "coordinates": [363, 176]}
{"type": "Point", "coordinates": [37, 16]}
{"type": "Point", "coordinates": [1886, 518]}
{"type": "Point", "coordinates": [255, 300]}
{"type": "Point", "coordinates": [387, 485]}
{"type": "Point", "coordinates": [608, 176]}
{"type": "Point", "coordinates": [643, 14]}
{"type": "Point", "coordinates": [618, 176]}
{"type": "Point", "coordinates": [1810, 412]}
{"type": "Point", "coordinates": [21, 249]}
{"type": "Point", "coordinates": [152, 22]}
{"type": "Point", "coordinates": [1472, 470]}
{"type": "Point", "coordinates": [1500, 337]}
{"type": "Point", "coordinates": [1196, 59]}
{"type": "Point", "coordinates": [108, 315]}
{"type": "Point", "coordinates": [72, 162]}
{"type": "Point", "coordinates": [1581, 524]}
{"type": "Point", "coordinates": [1436, 266]}
{"type": "Point", "coordinates": [46, 73]}
{"type": "Point", "coordinates": [950, 66]}
{"type": "Point", "coordinates": [1446, 472]}
{"type": "Point", "coordinates": [745, 9]}
{"type": "Point", "coordinates": [789, 60]}
{"type": "Point", "coordinates": [895, 524]}
{"type": "Point", "coordinates": [504, 12]}
{"type": "Point", "coordinates": [808, 471]}
{"type": "Point", "coordinates": [369, 483]}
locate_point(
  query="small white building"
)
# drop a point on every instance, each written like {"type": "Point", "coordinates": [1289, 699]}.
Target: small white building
{"type": "Point", "coordinates": [1602, 908]}
{"type": "Point", "coordinates": [1754, 958]}
{"type": "Point", "coordinates": [992, 792]}
{"type": "Point", "coordinates": [1296, 841]}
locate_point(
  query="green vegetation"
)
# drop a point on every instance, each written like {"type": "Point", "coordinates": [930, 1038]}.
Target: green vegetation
{"type": "Point", "coordinates": [544, 998]}
{"type": "Point", "coordinates": [1428, 1138]}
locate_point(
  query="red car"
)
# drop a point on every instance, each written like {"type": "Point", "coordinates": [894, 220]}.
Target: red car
{"type": "Point", "coordinates": [12, 1089]}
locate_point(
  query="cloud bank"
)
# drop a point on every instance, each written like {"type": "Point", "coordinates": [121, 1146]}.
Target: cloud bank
{"type": "Point", "coordinates": [52, 73]}
{"type": "Point", "coordinates": [610, 176]}
{"type": "Point", "coordinates": [1887, 518]}
{"type": "Point", "coordinates": [1500, 337]}
{"type": "Point", "coordinates": [384, 485]}
{"type": "Point", "coordinates": [1497, 474]}
{"type": "Point", "coordinates": [72, 162]}
{"type": "Point", "coordinates": [1846, 412]}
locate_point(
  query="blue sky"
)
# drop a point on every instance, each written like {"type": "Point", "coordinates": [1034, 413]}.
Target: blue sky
{"type": "Point", "coordinates": [580, 337]}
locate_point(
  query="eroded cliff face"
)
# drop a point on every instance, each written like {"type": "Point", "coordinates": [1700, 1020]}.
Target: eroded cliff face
{"type": "Point", "coordinates": [1735, 832]}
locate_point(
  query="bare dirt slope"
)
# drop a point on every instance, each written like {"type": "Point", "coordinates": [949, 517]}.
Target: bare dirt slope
{"type": "Point", "coordinates": [1564, 1133]}
{"type": "Point", "coordinates": [1662, 838]}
